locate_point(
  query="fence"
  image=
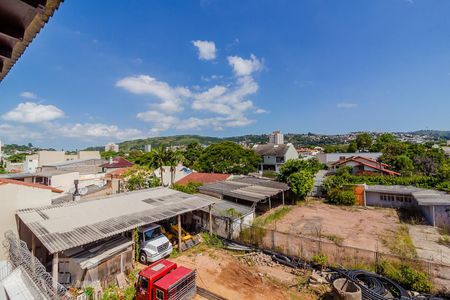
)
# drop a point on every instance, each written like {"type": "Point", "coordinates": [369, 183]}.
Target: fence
{"type": "Point", "coordinates": [349, 257]}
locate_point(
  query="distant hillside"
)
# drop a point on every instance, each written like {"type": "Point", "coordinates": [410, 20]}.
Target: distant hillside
{"type": "Point", "coordinates": [440, 134]}
{"type": "Point", "coordinates": [176, 140]}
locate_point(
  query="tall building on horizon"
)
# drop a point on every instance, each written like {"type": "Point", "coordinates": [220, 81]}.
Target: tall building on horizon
{"type": "Point", "coordinates": [112, 147]}
{"type": "Point", "coordinates": [276, 138]}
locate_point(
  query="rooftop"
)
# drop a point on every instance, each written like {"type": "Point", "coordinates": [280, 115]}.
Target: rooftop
{"type": "Point", "coordinates": [68, 225]}
{"type": "Point", "coordinates": [49, 173]}
{"type": "Point", "coordinates": [29, 184]}
{"type": "Point", "coordinates": [246, 188]}
{"type": "Point", "coordinates": [223, 208]}
{"type": "Point", "coordinates": [72, 162]}
{"type": "Point", "coordinates": [271, 149]}
{"type": "Point", "coordinates": [117, 162]}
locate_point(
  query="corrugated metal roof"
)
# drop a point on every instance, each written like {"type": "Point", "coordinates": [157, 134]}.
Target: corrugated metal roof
{"type": "Point", "coordinates": [422, 196]}
{"type": "Point", "coordinates": [246, 188]}
{"type": "Point", "coordinates": [222, 208]}
{"type": "Point", "coordinates": [68, 225]}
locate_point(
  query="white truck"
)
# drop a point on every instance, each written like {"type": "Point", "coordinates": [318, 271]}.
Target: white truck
{"type": "Point", "coordinates": [153, 244]}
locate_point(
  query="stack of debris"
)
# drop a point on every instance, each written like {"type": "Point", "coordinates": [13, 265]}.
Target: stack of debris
{"type": "Point", "coordinates": [257, 259]}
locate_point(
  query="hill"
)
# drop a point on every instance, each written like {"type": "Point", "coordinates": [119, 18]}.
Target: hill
{"type": "Point", "coordinates": [176, 140]}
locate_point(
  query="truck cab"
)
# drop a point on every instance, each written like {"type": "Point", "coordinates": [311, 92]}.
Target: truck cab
{"type": "Point", "coordinates": [164, 280]}
{"type": "Point", "coordinates": [153, 244]}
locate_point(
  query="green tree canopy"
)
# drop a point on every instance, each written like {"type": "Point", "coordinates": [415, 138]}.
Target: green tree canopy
{"type": "Point", "coordinates": [301, 183]}
{"type": "Point", "coordinates": [295, 165]}
{"type": "Point", "coordinates": [227, 157]}
{"type": "Point", "coordinates": [363, 141]}
{"type": "Point", "coordinates": [192, 153]}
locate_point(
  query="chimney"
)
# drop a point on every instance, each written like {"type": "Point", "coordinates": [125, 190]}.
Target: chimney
{"type": "Point", "coordinates": [76, 194]}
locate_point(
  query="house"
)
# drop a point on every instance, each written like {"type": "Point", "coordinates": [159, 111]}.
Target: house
{"type": "Point", "coordinates": [34, 162]}
{"type": "Point", "coordinates": [330, 158]}
{"type": "Point", "coordinates": [82, 166]}
{"type": "Point", "coordinates": [112, 147]}
{"type": "Point", "coordinates": [17, 195]}
{"type": "Point", "coordinates": [274, 155]}
{"type": "Point", "coordinates": [363, 166]}
{"type": "Point", "coordinates": [203, 178]}
{"type": "Point", "coordinates": [63, 180]}
{"type": "Point", "coordinates": [434, 205]}
{"type": "Point", "coordinates": [115, 163]}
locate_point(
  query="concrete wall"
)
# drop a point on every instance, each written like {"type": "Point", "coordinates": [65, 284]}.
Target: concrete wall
{"type": "Point", "coordinates": [64, 181]}
{"type": "Point", "coordinates": [51, 157]}
{"type": "Point", "coordinates": [89, 155]}
{"type": "Point", "coordinates": [427, 212]}
{"type": "Point", "coordinates": [31, 163]}
{"type": "Point", "coordinates": [328, 158]}
{"type": "Point", "coordinates": [291, 153]}
{"type": "Point", "coordinates": [442, 216]}
{"type": "Point", "coordinates": [14, 197]}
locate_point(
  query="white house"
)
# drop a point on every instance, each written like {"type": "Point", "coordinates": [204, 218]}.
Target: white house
{"type": "Point", "coordinates": [15, 195]}
{"type": "Point", "coordinates": [274, 155]}
{"type": "Point", "coordinates": [330, 158]}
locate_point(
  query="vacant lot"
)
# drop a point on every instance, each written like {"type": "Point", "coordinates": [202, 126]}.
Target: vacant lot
{"type": "Point", "coordinates": [358, 227]}
{"type": "Point", "coordinates": [222, 272]}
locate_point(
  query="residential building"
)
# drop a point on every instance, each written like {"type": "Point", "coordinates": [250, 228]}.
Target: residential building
{"type": "Point", "coordinates": [434, 205]}
{"type": "Point", "coordinates": [276, 138]}
{"type": "Point", "coordinates": [115, 163]}
{"type": "Point", "coordinates": [274, 155]}
{"type": "Point", "coordinates": [112, 147]}
{"type": "Point", "coordinates": [203, 178]}
{"type": "Point", "coordinates": [16, 195]}
{"type": "Point", "coordinates": [82, 166]}
{"type": "Point", "coordinates": [148, 148]}
{"type": "Point", "coordinates": [63, 180]}
{"type": "Point", "coordinates": [35, 161]}
{"type": "Point", "coordinates": [330, 158]}
{"type": "Point", "coordinates": [363, 166]}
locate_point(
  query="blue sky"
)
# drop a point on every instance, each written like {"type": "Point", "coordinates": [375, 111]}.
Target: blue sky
{"type": "Point", "coordinates": [99, 73]}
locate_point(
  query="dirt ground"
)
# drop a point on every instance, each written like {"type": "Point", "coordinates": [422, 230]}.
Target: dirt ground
{"type": "Point", "coordinates": [350, 226]}
{"type": "Point", "coordinates": [426, 241]}
{"type": "Point", "coordinates": [221, 272]}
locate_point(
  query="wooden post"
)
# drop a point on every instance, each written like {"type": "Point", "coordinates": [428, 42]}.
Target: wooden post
{"type": "Point", "coordinates": [179, 233]}
{"type": "Point", "coordinates": [55, 271]}
{"type": "Point", "coordinates": [210, 219]}
{"type": "Point", "coordinates": [33, 244]}
{"type": "Point", "coordinates": [133, 247]}
{"type": "Point", "coordinates": [282, 197]}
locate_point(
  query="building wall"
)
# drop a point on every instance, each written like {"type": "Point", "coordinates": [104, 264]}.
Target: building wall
{"type": "Point", "coordinates": [329, 158]}
{"type": "Point", "coordinates": [291, 153]}
{"type": "Point", "coordinates": [427, 212]}
{"type": "Point", "coordinates": [374, 199]}
{"type": "Point", "coordinates": [64, 181]}
{"type": "Point", "coordinates": [31, 163]}
{"type": "Point", "coordinates": [14, 197]}
{"type": "Point", "coordinates": [442, 216]}
{"type": "Point", "coordinates": [89, 155]}
{"type": "Point", "coordinates": [51, 157]}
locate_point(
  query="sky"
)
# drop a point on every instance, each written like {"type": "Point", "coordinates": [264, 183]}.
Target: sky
{"type": "Point", "coordinates": [101, 73]}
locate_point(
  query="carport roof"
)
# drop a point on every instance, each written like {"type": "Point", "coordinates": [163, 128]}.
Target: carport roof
{"type": "Point", "coordinates": [68, 225]}
{"type": "Point", "coordinates": [246, 188]}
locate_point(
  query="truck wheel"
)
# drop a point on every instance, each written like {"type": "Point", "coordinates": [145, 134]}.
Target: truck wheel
{"type": "Point", "coordinates": [143, 258]}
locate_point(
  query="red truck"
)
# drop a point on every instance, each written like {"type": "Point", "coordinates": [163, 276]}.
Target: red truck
{"type": "Point", "coordinates": [164, 280]}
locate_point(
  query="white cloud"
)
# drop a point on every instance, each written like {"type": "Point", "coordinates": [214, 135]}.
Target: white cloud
{"type": "Point", "coordinates": [206, 49]}
{"type": "Point", "coordinates": [30, 112]}
{"type": "Point", "coordinates": [171, 97]}
{"type": "Point", "coordinates": [260, 111]}
{"type": "Point", "coordinates": [95, 130]}
{"type": "Point", "coordinates": [346, 105]}
{"type": "Point", "coordinates": [244, 67]}
{"type": "Point", "coordinates": [28, 95]}
{"type": "Point", "coordinates": [19, 133]}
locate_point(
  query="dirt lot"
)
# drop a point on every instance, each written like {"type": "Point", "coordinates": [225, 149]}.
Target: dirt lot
{"type": "Point", "coordinates": [349, 226]}
{"type": "Point", "coordinates": [223, 273]}
{"type": "Point", "coordinates": [426, 240]}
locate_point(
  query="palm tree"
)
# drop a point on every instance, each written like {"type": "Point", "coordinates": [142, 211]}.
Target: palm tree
{"type": "Point", "coordinates": [160, 159]}
{"type": "Point", "coordinates": [174, 157]}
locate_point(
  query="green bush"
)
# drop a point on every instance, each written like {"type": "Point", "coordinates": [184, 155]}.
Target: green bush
{"type": "Point", "coordinates": [406, 276]}
{"type": "Point", "coordinates": [190, 188]}
{"type": "Point", "coordinates": [212, 240]}
{"type": "Point", "coordinates": [320, 259]}
{"type": "Point", "coordinates": [340, 197]}
{"type": "Point", "coordinates": [301, 183]}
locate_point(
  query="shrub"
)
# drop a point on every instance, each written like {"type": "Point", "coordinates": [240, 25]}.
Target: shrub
{"type": "Point", "coordinates": [320, 259]}
{"type": "Point", "coordinates": [405, 275]}
{"type": "Point", "coordinates": [340, 197]}
{"type": "Point", "coordinates": [301, 183]}
{"type": "Point", "coordinates": [190, 188]}
{"type": "Point", "coordinates": [212, 240]}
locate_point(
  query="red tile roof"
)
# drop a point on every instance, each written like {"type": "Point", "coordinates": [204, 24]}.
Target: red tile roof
{"type": "Point", "coordinates": [203, 178]}
{"type": "Point", "coordinates": [29, 184]}
{"type": "Point", "coordinates": [117, 173]}
{"type": "Point", "coordinates": [117, 162]}
{"type": "Point", "coordinates": [369, 163]}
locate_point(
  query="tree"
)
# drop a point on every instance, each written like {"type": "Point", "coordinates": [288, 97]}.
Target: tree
{"type": "Point", "coordinates": [301, 183]}
{"type": "Point", "coordinates": [160, 159]}
{"type": "Point", "coordinates": [227, 157]}
{"type": "Point", "coordinates": [295, 165]}
{"type": "Point", "coordinates": [363, 141]}
{"type": "Point", "coordinates": [382, 141]}
{"type": "Point", "coordinates": [404, 165]}
{"type": "Point", "coordinates": [352, 147]}
{"type": "Point", "coordinates": [138, 178]}
{"type": "Point", "coordinates": [173, 159]}
{"type": "Point", "coordinates": [192, 153]}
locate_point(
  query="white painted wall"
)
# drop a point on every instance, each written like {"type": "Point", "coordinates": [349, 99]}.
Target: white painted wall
{"type": "Point", "coordinates": [14, 197]}
{"type": "Point", "coordinates": [291, 153]}
{"type": "Point", "coordinates": [64, 181]}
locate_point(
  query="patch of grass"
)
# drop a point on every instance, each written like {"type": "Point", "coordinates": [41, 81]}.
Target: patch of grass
{"type": "Point", "coordinates": [411, 216]}
{"type": "Point", "coordinates": [334, 238]}
{"type": "Point", "coordinates": [278, 214]}
{"type": "Point", "coordinates": [405, 274]}
{"type": "Point", "coordinates": [175, 253]}
{"type": "Point", "coordinates": [320, 259]}
{"type": "Point", "coordinates": [400, 243]}
{"type": "Point", "coordinates": [212, 240]}
{"type": "Point", "coordinates": [444, 240]}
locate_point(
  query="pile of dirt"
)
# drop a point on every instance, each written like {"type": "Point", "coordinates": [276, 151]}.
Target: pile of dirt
{"type": "Point", "coordinates": [257, 259]}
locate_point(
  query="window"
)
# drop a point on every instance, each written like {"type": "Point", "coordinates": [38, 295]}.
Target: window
{"type": "Point", "coordinates": [143, 282]}
{"type": "Point", "coordinates": [159, 294]}
{"type": "Point", "coordinates": [151, 234]}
